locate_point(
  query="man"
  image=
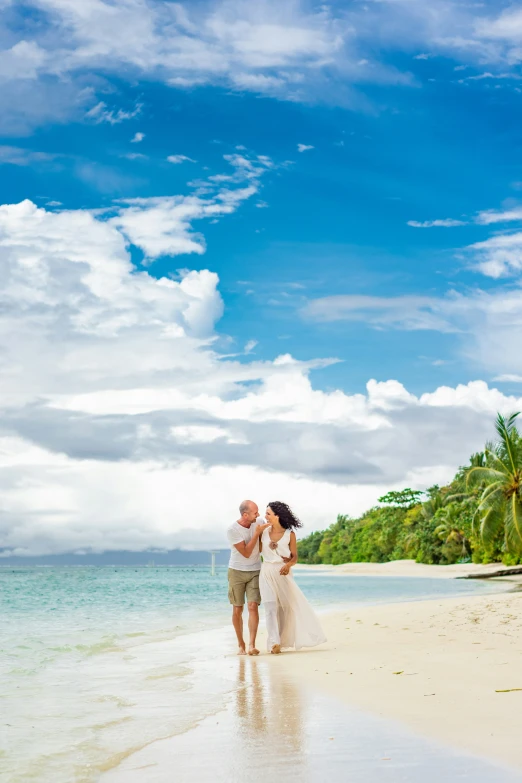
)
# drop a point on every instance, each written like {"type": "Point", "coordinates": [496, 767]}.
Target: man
{"type": "Point", "coordinates": [243, 573]}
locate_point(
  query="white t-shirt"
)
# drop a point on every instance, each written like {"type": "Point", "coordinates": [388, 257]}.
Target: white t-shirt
{"type": "Point", "coordinates": [235, 534]}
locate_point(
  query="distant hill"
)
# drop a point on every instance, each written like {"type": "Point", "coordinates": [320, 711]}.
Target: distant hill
{"type": "Point", "coordinates": [121, 558]}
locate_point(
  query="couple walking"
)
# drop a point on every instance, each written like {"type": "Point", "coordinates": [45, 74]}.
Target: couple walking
{"type": "Point", "coordinates": [290, 620]}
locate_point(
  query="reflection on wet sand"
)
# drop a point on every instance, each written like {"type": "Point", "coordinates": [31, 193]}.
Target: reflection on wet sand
{"type": "Point", "coordinates": [274, 729]}
{"type": "Point", "coordinates": [269, 711]}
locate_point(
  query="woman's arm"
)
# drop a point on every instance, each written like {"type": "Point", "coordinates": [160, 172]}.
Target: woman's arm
{"type": "Point", "coordinates": [292, 560]}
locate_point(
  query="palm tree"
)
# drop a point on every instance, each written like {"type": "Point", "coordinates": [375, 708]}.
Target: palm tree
{"type": "Point", "coordinates": [500, 481]}
{"type": "Point", "coordinates": [449, 530]}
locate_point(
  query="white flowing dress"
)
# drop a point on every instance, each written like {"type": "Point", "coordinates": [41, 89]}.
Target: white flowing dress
{"type": "Point", "coordinates": [290, 620]}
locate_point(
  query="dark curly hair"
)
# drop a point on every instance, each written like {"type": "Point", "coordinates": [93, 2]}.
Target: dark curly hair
{"type": "Point", "coordinates": [287, 518]}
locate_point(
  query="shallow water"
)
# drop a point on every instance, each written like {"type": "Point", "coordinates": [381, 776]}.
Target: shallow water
{"type": "Point", "coordinates": [98, 662]}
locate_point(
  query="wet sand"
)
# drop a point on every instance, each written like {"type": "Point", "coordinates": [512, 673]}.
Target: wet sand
{"type": "Point", "coordinates": [405, 692]}
{"type": "Point", "coordinates": [277, 728]}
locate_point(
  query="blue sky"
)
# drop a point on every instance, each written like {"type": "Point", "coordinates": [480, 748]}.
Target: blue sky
{"type": "Point", "coordinates": [409, 115]}
{"type": "Point", "coordinates": [336, 215]}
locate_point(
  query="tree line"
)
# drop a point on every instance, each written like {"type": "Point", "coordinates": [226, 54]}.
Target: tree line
{"type": "Point", "coordinates": [476, 518]}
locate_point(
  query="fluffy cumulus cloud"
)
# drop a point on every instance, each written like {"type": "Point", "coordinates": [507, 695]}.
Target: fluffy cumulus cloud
{"type": "Point", "coordinates": [122, 426]}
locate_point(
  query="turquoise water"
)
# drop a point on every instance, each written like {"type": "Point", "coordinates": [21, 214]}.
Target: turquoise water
{"type": "Point", "coordinates": [97, 662]}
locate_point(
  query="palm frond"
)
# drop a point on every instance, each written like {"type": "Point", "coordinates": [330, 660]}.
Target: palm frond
{"type": "Point", "coordinates": [507, 422]}
{"type": "Point", "coordinates": [513, 524]}
{"type": "Point", "coordinates": [498, 462]}
{"type": "Point", "coordinates": [494, 499]}
{"type": "Point", "coordinates": [476, 476]}
{"type": "Point", "coordinates": [506, 429]}
{"type": "Point", "coordinates": [491, 524]}
{"type": "Point", "coordinates": [441, 531]}
{"type": "Point", "coordinates": [458, 496]}
{"type": "Point", "coordinates": [497, 490]}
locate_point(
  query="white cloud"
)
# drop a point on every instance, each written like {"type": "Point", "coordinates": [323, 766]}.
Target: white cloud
{"type": "Point", "coordinates": [100, 113]}
{"type": "Point", "coordinates": [304, 147]}
{"type": "Point", "coordinates": [499, 255]}
{"type": "Point", "coordinates": [444, 223]}
{"type": "Point", "coordinates": [29, 103]}
{"type": "Point", "coordinates": [490, 216]}
{"type": "Point", "coordinates": [486, 324]}
{"type": "Point", "coordinates": [180, 159]}
{"type": "Point", "coordinates": [508, 378]}
{"type": "Point", "coordinates": [404, 312]}
{"type": "Point", "coordinates": [22, 61]}
{"type": "Point", "coordinates": [287, 50]}
{"type": "Point", "coordinates": [474, 33]}
{"type": "Point", "coordinates": [138, 136]}
{"type": "Point", "coordinates": [487, 75]}
{"type": "Point", "coordinates": [117, 414]}
{"type": "Point", "coordinates": [19, 156]}
{"type": "Point", "coordinates": [164, 225]}
{"type": "Point", "coordinates": [506, 31]}
{"type": "Point", "coordinates": [295, 51]}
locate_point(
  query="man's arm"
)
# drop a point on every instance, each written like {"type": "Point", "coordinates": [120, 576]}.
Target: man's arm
{"type": "Point", "coordinates": [247, 549]}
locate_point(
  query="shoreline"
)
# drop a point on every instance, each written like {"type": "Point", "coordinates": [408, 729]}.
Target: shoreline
{"type": "Point", "coordinates": [409, 568]}
{"type": "Point", "coordinates": [166, 679]}
{"type": "Point", "coordinates": [441, 675]}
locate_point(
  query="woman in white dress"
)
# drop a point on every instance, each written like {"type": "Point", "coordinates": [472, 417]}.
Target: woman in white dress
{"type": "Point", "coordinates": [290, 620]}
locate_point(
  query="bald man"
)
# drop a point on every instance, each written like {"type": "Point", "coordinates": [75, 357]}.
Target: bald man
{"type": "Point", "coordinates": [243, 573]}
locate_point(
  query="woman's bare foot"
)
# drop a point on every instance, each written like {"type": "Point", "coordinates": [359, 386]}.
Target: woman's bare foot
{"type": "Point", "coordinates": [241, 651]}
{"type": "Point", "coordinates": [276, 649]}
{"type": "Point", "coordinates": [253, 650]}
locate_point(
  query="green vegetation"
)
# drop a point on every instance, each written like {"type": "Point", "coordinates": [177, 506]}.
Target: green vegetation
{"type": "Point", "coordinates": [477, 517]}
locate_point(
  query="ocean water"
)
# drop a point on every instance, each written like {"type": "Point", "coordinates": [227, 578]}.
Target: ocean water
{"type": "Point", "coordinates": [97, 663]}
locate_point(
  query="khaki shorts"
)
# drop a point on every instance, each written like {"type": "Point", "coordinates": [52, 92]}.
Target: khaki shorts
{"type": "Point", "coordinates": [241, 583]}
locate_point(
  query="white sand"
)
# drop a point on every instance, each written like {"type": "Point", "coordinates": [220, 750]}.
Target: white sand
{"type": "Point", "coordinates": [411, 568]}
{"type": "Point", "coordinates": [435, 665]}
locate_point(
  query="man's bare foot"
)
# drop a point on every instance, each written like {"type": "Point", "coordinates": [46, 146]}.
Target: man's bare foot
{"type": "Point", "coordinates": [253, 650]}
{"type": "Point", "coordinates": [241, 651]}
{"type": "Point", "coordinates": [276, 649]}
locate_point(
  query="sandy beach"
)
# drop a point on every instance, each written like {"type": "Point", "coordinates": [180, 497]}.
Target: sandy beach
{"type": "Point", "coordinates": [412, 569]}
{"type": "Point", "coordinates": [447, 668]}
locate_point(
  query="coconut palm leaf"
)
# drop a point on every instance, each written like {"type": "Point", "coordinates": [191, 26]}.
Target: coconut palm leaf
{"type": "Point", "coordinates": [513, 522]}
{"type": "Point", "coordinates": [491, 504]}
{"type": "Point", "coordinates": [491, 524]}
{"type": "Point", "coordinates": [500, 502]}
{"type": "Point", "coordinates": [497, 461]}
{"type": "Point", "coordinates": [477, 476]}
{"type": "Point", "coordinates": [506, 430]}
{"type": "Point", "coordinates": [498, 486]}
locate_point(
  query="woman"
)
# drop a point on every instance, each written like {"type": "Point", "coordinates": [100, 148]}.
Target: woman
{"type": "Point", "coordinates": [290, 620]}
